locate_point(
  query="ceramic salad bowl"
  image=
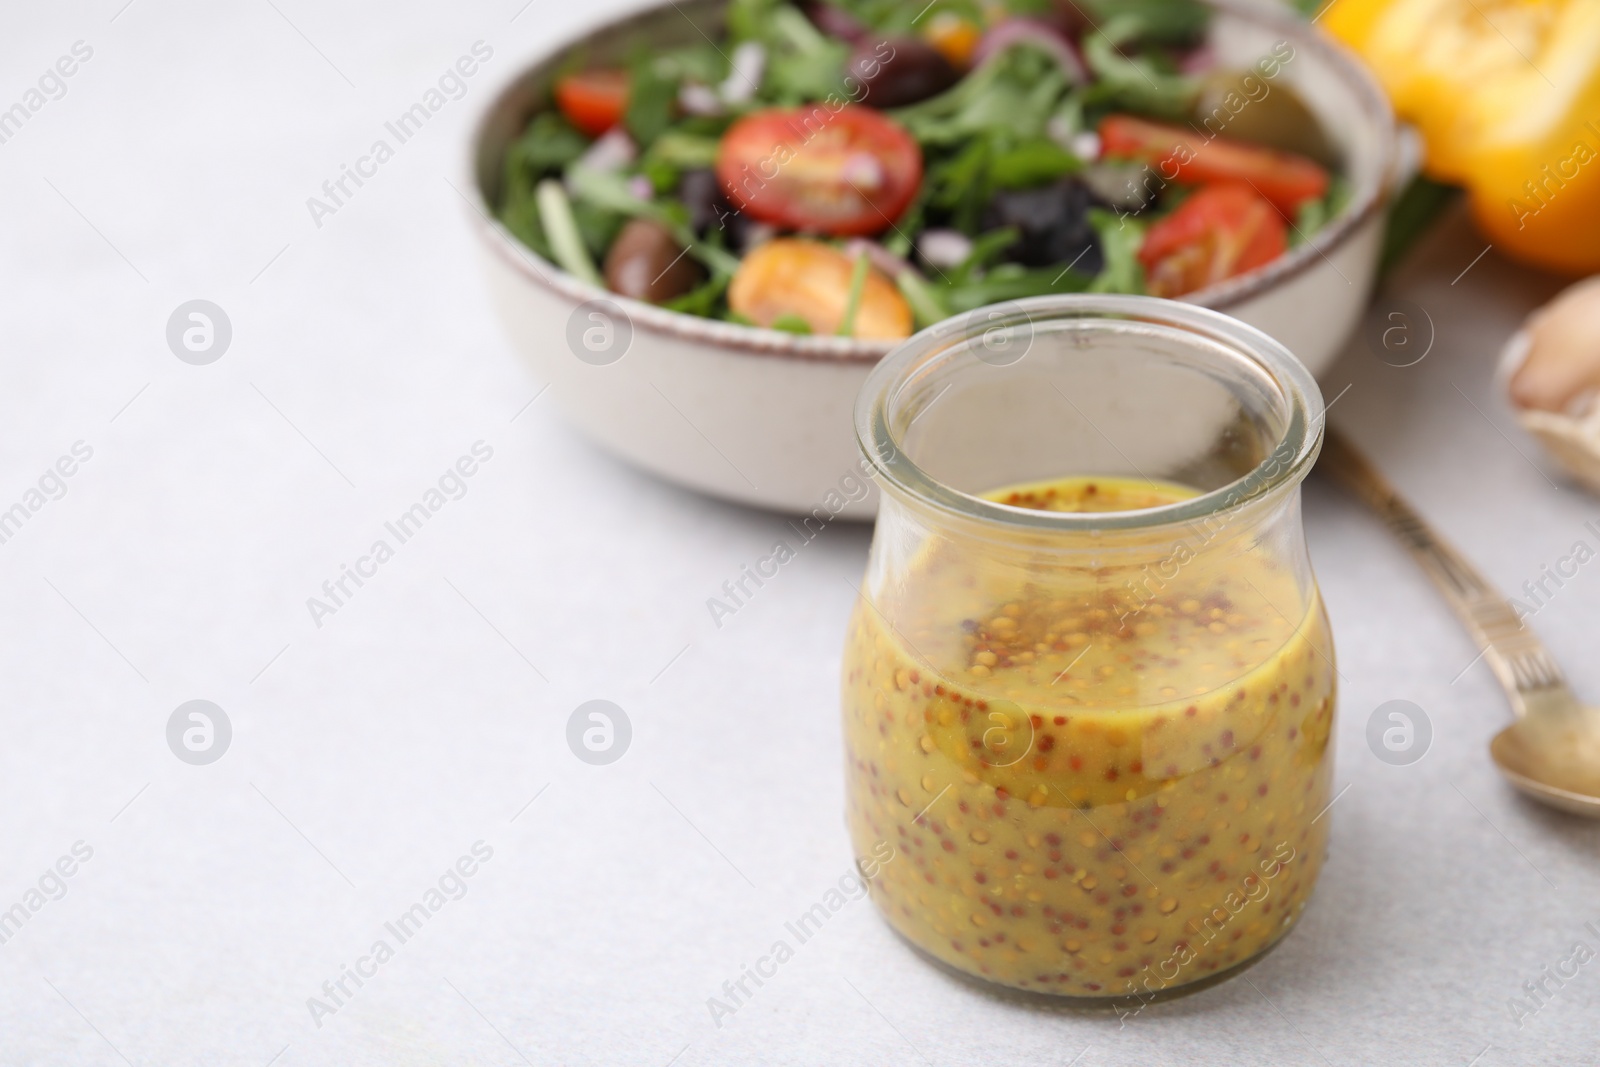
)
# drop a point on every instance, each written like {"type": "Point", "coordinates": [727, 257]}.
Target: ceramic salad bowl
{"type": "Point", "coordinates": [763, 416]}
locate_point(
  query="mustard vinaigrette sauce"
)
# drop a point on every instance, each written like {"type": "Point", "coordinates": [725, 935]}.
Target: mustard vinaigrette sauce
{"type": "Point", "coordinates": [1096, 786]}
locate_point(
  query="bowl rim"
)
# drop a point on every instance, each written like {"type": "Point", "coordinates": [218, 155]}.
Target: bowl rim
{"type": "Point", "coordinates": [753, 340]}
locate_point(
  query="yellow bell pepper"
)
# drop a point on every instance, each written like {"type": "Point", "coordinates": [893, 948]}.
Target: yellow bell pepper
{"type": "Point", "coordinates": [1506, 94]}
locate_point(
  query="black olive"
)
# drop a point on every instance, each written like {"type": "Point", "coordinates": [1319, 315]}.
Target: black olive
{"type": "Point", "coordinates": [701, 193]}
{"type": "Point", "coordinates": [896, 71]}
{"type": "Point", "coordinates": [1053, 225]}
{"type": "Point", "coordinates": [710, 210]}
{"type": "Point", "coordinates": [646, 263]}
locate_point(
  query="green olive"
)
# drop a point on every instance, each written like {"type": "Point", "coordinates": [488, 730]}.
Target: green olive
{"type": "Point", "coordinates": [1243, 105]}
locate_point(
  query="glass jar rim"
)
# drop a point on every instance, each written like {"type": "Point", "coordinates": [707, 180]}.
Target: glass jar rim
{"type": "Point", "coordinates": [1287, 463]}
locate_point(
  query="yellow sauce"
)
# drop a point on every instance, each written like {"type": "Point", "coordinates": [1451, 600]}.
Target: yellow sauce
{"type": "Point", "coordinates": [1095, 785]}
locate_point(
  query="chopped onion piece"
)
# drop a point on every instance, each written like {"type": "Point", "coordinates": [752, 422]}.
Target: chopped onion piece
{"type": "Point", "coordinates": [614, 149]}
{"type": "Point", "coordinates": [697, 99]}
{"type": "Point", "coordinates": [944, 248]}
{"type": "Point", "coordinates": [749, 63]}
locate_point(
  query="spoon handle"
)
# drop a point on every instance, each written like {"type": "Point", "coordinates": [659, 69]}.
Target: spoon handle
{"type": "Point", "coordinates": [1518, 658]}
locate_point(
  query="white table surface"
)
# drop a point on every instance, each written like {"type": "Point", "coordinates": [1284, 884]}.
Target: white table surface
{"type": "Point", "coordinates": [372, 752]}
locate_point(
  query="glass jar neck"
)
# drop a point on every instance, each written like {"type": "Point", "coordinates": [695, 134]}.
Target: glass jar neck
{"type": "Point", "coordinates": [1116, 387]}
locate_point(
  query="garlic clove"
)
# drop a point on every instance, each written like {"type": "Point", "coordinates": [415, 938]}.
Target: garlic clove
{"type": "Point", "coordinates": [1560, 371]}
{"type": "Point", "coordinates": [1551, 373]}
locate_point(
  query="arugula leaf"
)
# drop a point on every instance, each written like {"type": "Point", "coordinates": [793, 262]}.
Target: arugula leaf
{"type": "Point", "coordinates": [797, 30]}
{"type": "Point", "coordinates": [1136, 84]}
{"type": "Point", "coordinates": [1014, 92]}
{"type": "Point", "coordinates": [1015, 283]}
{"type": "Point", "coordinates": [1176, 22]}
{"type": "Point", "coordinates": [802, 64]}
{"type": "Point", "coordinates": [663, 176]}
{"type": "Point", "coordinates": [1315, 214]}
{"type": "Point", "coordinates": [519, 210]}
{"type": "Point", "coordinates": [1031, 8]}
{"type": "Point", "coordinates": [960, 184]}
{"type": "Point", "coordinates": [549, 143]}
{"type": "Point", "coordinates": [897, 16]}
{"type": "Point", "coordinates": [927, 306]}
{"type": "Point", "coordinates": [608, 191]}
{"type": "Point", "coordinates": [749, 20]}
{"type": "Point", "coordinates": [984, 251]}
{"type": "Point", "coordinates": [898, 240]}
{"type": "Point", "coordinates": [1034, 162]}
{"type": "Point", "coordinates": [701, 62]}
{"type": "Point", "coordinates": [1120, 237]}
{"type": "Point", "coordinates": [598, 227]}
{"type": "Point", "coordinates": [1068, 117]}
{"type": "Point", "coordinates": [791, 323]}
{"type": "Point", "coordinates": [684, 151]}
{"type": "Point", "coordinates": [651, 96]}
{"type": "Point", "coordinates": [702, 299]}
{"type": "Point", "coordinates": [795, 78]}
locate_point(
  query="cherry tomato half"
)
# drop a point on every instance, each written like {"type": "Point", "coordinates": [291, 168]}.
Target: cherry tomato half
{"type": "Point", "coordinates": [846, 173]}
{"type": "Point", "coordinates": [593, 100]}
{"type": "Point", "coordinates": [1179, 154]}
{"type": "Point", "coordinates": [1219, 231]}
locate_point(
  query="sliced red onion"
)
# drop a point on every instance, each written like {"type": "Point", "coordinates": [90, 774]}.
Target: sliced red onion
{"type": "Point", "coordinates": [880, 257]}
{"type": "Point", "coordinates": [641, 187]}
{"type": "Point", "coordinates": [749, 62]}
{"type": "Point", "coordinates": [1040, 34]}
{"type": "Point", "coordinates": [1198, 60]}
{"type": "Point", "coordinates": [944, 248]}
{"type": "Point", "coordinates": [697, 99]}
{"type": "Point", "coordinates": [613, 150]}
{"type": "Point", "coordinates": [835, 21]}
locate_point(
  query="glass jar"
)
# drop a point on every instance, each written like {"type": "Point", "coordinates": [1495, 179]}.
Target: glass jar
{"type": "Point", "coordinates": [1088, 686]}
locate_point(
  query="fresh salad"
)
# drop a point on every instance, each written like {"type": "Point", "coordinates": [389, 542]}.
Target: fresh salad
{"type": "Point", "coordinates": [868, 167]}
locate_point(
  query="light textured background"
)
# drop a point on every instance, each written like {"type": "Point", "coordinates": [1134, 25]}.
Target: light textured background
{"type": "Point", "coordinates": [372, 752]}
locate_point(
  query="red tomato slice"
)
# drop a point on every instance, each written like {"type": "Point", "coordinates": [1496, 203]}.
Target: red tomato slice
{"type": "Point", "coordinates": [846, 173]}
{"type": "Point", "coordinates": [593, 100]}
{"type": "Point", "coordinates": [1218, 232]}
{"type": "Point", "coordinates": [1179, 154]}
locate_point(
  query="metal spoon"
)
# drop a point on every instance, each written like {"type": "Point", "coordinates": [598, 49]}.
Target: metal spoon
{"type": "Point", "coordinates": [1552, 751]}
